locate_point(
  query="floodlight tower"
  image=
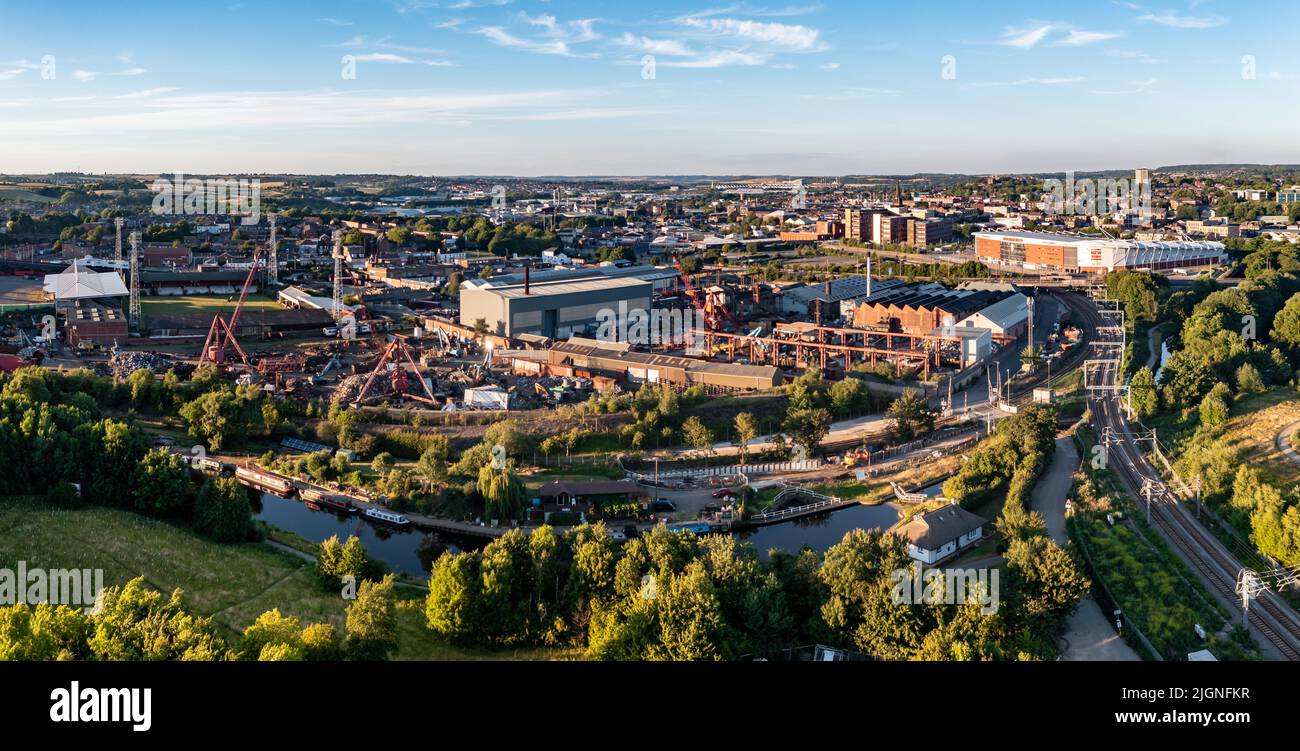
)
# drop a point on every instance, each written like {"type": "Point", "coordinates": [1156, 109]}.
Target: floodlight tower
{"type": "Point", "coordinates": [338, 274]}
{"type": "Point", "coordinates": [133, 313]}
{"type": "Point", "coordinates": [273, 263]}
{"type": "Point", "coordinates": [117, 253]}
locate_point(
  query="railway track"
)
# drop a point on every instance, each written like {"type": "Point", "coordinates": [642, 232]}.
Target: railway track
{"type": "Point", "coordinates": [1214, 563]}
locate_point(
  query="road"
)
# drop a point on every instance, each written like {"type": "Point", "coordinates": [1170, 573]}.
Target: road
{"type": "Point", "coordinates": [1284, 442]}
{"type": "Point", "coordinates": [1089, 634]}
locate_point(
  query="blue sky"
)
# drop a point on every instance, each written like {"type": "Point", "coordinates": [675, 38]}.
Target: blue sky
{"type": "Point", "coordinates": [530, 87]}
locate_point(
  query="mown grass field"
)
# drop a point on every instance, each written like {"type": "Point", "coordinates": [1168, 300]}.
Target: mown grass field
{"type": "Point", "coordinates": [161, 305]}
{"type": "Point", "coordinates": [231, 583]}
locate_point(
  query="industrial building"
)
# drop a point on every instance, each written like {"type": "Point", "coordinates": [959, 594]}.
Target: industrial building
{"type": "Point", "coordinates": [1075, 253]}
{"type": "Point", "coordinates": [80, 282]}
{"type": "Point", "coordinates": [822, 301]}
{"type": "Point", "coordinates": [554, 307]}
{"type": "Point", "coordinates": [88, 304]}
{"type": "Point", "coordinates": [223, 282]}
{"type": "Point", "coordinates": [666, 279]}
{"type": "Point", "coordinates": [588, 358]}
{"type": "Point", "coordinates": [925, 307]}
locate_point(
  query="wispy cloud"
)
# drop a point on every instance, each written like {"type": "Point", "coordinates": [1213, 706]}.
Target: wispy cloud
{"type": "Point", "coordinates": [785, 37]}
{"type": "Point", "coordinates": [1135, 87]}
{"type": "Point", "coordinates": [85, 76]}
{"type": "Point", "coordinates": [1179, 21]}
{"type": "Point", "coordinates": [146, 93]}
{"type": "Point", "coordinates": [335, 22]}
{"type": "Point", "coordinates": [1025, 38]}
{"type": "Point", "coordinates": [156, 112]}
{"type": "Point", "coordinates": [1135, 56]}
{"type": "Point", "coordinates": [1033, 81]}
{"type": "Point", "coordinates": [654, 46]}
{"type": "Point", "coordinates": [1077, 37]}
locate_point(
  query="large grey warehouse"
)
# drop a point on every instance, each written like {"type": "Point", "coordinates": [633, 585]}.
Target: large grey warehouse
{"type": "Point", "coordinates": [554, 307]}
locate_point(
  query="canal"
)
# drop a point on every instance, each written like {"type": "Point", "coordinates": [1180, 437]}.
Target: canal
{"type": "Point", "coordinates": [406, 551]}
{"type": "Point", "coordinates": [413, 551]}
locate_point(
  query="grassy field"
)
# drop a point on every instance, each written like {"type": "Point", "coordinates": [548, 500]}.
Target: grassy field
{"type": "Point", "coordinates": [1251, 433]}
{"type": "Point", "coordinates": [162, 305]}
{"type": "Point", "coordinates": [232, 583]}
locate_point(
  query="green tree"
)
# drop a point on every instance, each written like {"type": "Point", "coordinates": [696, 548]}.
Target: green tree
{"type": "Point", "coordinates": [135, 623]}
{"type": "Point", "coordinates": [1214, 407]}
{"type": "Point", "coordinates": [1248, 380]}
{"type": "Point", "coordinates": [503, 493]}
{"type": "Point", "coordinates": [807, 427]}
{"type": "Point", "coordinates": [372, 621]}
{"type": "Point", "coordinates": [848, 396]}
{"type": "Point", "coordinates": [1142, 393]}
{"type": "Point", "coordinates": [454, 591]}
{"type": "Point", "coordinates": [746, 431]}
{"type": "Point", "coordinates": [161, 484]}
{"type": "Point", "coordinates": [221, 511]}
{"type": "Point", "coordinates": [911, 414]}
{"type": "Point", "coordinates": [698, 435]}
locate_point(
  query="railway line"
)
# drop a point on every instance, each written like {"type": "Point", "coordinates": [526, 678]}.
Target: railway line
{"type": "Point", "coordinates": [1218, 567]}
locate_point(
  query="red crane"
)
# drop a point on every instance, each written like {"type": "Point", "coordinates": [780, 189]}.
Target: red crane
{"type": "Point", "coordinates": [714, 311]}
{"type": "Point", "coordinates": [395, 350]}
{"type": "Point", "coordinates": [222, 333]}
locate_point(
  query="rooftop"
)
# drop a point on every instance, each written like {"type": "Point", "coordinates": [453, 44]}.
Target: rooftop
{"type": "Point", "coordinates": [934, 529]}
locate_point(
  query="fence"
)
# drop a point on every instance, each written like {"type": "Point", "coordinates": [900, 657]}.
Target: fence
{"type": "Point", "coordinates": [805, 465]}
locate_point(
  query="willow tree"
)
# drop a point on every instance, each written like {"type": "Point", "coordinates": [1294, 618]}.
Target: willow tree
{"type": "Point", "coordinates": [503, 493]}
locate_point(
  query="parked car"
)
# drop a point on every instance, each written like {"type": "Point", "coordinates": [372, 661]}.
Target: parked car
{"type": "Point", "coordinates": [724, 493]}
{"type": "Point", "coordinates": [664, 504]}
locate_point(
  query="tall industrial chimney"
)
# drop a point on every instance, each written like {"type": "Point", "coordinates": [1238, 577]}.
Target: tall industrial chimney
{"type": "Point", "coordinates": [527, 280]}
{"type": "Point", "coordinates": [868, 276]}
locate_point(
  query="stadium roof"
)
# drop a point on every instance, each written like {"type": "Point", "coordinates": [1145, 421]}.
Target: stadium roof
{"type": "Point", "coordinates": [77, 282]}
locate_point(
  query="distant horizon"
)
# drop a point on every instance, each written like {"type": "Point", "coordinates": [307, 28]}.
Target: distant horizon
{"type": "Point", "coordinates": [1189, 166]}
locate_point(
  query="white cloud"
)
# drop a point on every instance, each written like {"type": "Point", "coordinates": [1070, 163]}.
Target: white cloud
{"type": "Point", "coordinates": [1025, 38]}
{"type": "Point", "coordinates": [84, 76]}
{"type": "Point", "coordinates": [133, 72]}
{"type": "Point", "coordinates": [831, 66]}
{"type": "Point", "coordinates": [1033, 80]}
{"type": "Point", "coordinates": [299, 111]}
{"type": "Point", "coordinates": [1135, 56]}
{"type": "Point", "coordinates": [654, 46]}
{"type": "Point", "coordinates": [384, 57]}
{"type": "Point", "coordinates": [1177, 21]}
{"type": "Point", "coordinates": [1077, 37]}
{"type": "Point", "coordinates": [335, 22]}
{"type": "Point", "coordinates": [500, 36]}
{"type": "Point", "coordinates": [785, 37]}
{"type": "Point", "coordinates": [718, 60]}
{"type": "Point", "coordinates": [145, 94]}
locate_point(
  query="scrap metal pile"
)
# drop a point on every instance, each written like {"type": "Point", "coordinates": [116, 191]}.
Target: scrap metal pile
{"type": "Point", "coordinates": [123, 364]}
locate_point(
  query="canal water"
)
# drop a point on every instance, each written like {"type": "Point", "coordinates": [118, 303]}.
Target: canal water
{"type": "Point", "coordinates": [413, 551]}
{"type": "Point", "coordinates": [818, 532]}
{"type": "Point", "coordinates": [406, 551]}
{"type": "Point", "coordinates": [824, 530]}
